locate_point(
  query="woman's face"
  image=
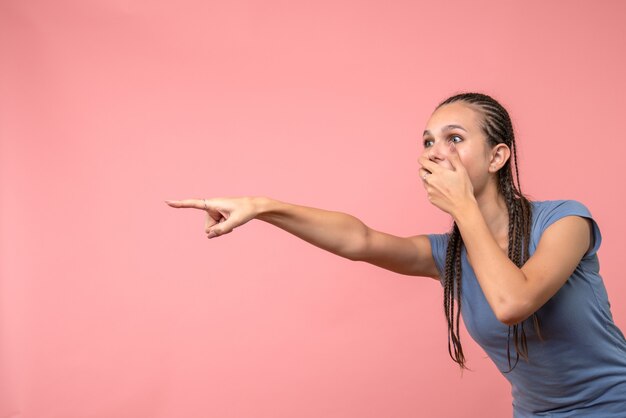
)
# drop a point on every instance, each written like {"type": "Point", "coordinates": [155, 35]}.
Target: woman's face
{"type": "Point", "coordinates": [460, 124]}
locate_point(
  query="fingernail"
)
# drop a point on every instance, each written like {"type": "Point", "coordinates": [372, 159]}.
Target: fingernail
{"type": "Point", "coordinates": [211, 234]}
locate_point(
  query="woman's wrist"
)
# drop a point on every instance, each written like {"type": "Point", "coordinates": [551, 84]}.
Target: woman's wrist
{"type": "Point", "coordinates": [263, 206]}
{"type": "Point", "coordinates": [464, 210]}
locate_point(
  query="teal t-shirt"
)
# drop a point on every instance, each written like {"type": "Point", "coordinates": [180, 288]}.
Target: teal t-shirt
{"type": "Point", "coordinates": [579, 369]}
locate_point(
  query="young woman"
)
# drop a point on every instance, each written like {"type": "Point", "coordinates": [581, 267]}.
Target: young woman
{"type": "Point", "coordinates": [524, 275]}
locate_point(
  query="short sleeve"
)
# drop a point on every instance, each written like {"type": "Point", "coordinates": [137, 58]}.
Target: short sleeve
{"type": "Point", "coordinates": [439, 245]}
{"type": "Point", "coordinates": [552, 211]}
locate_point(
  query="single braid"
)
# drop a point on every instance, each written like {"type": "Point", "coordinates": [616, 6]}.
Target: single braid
{"type": "Point", "coordinates": [497, 127]}
{"type": "Point", "coordinates": [452, 292]}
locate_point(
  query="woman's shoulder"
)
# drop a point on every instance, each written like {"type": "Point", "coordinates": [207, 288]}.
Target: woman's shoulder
{"type": "Point", "coordinates": [558, 208]}
{"type": "Point", "coordinates": [547, 212]}
{"type": "Point", "coordinates": [556, 202]}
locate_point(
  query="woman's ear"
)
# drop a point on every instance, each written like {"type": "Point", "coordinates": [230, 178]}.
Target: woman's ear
{"type": "Point", "coordinates": [500, 154]}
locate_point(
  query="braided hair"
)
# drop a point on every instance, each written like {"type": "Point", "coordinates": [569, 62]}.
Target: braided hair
{"type": "Point", "coordinates": [497, 127]}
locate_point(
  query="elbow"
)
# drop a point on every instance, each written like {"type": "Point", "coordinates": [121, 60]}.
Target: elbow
{"type": "Point", "coordinates": [352, 255]}
{"type": "Point", "coordinates": [514, 307]}
{"type": "Point", "coordinates": [359, 246]}
{"type": "Point", "coordinates": [512, 313]}
{"type": "Point", "coordinates": [509, 319]}
{"type": "Point", "coordinates": [354, 252]}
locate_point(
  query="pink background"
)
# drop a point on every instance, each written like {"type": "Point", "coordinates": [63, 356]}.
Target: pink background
{"type": "Point", "coordinates": [112, 304]}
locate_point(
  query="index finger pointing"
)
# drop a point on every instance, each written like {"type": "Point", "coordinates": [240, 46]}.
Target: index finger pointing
{"type": "Point", "coordinates": [187, 203]}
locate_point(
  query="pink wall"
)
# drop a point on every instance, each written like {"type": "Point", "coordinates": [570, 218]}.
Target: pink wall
{"type": "Point", "coordinates": [112, 304]}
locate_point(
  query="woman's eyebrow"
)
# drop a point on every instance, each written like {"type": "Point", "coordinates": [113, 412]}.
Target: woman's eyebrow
{"type": "Point", "coordinates": [447, 128]}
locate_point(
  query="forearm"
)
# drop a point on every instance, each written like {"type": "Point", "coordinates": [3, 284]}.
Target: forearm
{"type": "Point", "coordinates": [502, 282]}
{"type": "Point", "coordinates": [340, 233]}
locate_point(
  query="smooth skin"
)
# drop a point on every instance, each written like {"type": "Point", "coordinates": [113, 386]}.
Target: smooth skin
{"type": "Point", "coordinates": [459, 172]}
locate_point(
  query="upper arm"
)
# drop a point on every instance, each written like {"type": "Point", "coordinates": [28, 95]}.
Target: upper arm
{"type": "Point", "coordinates": [560, 249]}
{"type": "Point", "coordinates": [405, 255]}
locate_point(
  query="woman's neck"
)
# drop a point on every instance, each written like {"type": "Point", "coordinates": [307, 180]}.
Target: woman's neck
{"type": "Point", "coordinates": [493, 207]}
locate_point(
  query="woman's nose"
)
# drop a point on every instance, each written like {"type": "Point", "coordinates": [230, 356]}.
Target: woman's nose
{"type": "Point", "coordinates": [437, 152]}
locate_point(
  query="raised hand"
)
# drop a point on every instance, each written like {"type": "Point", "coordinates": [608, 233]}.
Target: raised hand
{"type": "Point", "coordinates": [222, 214]}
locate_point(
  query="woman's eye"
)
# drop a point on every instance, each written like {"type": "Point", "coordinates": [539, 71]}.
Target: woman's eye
{"type": "Point", "coordinates": [456, 138]}
{"type": "Point", "coordinates": [427, 143]}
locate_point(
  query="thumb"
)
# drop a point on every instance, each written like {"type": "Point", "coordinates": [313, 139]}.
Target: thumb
{"type": "Point", "coordinates": [223, 227]}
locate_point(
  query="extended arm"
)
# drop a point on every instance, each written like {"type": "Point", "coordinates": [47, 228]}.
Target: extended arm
{"type": "Point", "coordinates": [337, 232]}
